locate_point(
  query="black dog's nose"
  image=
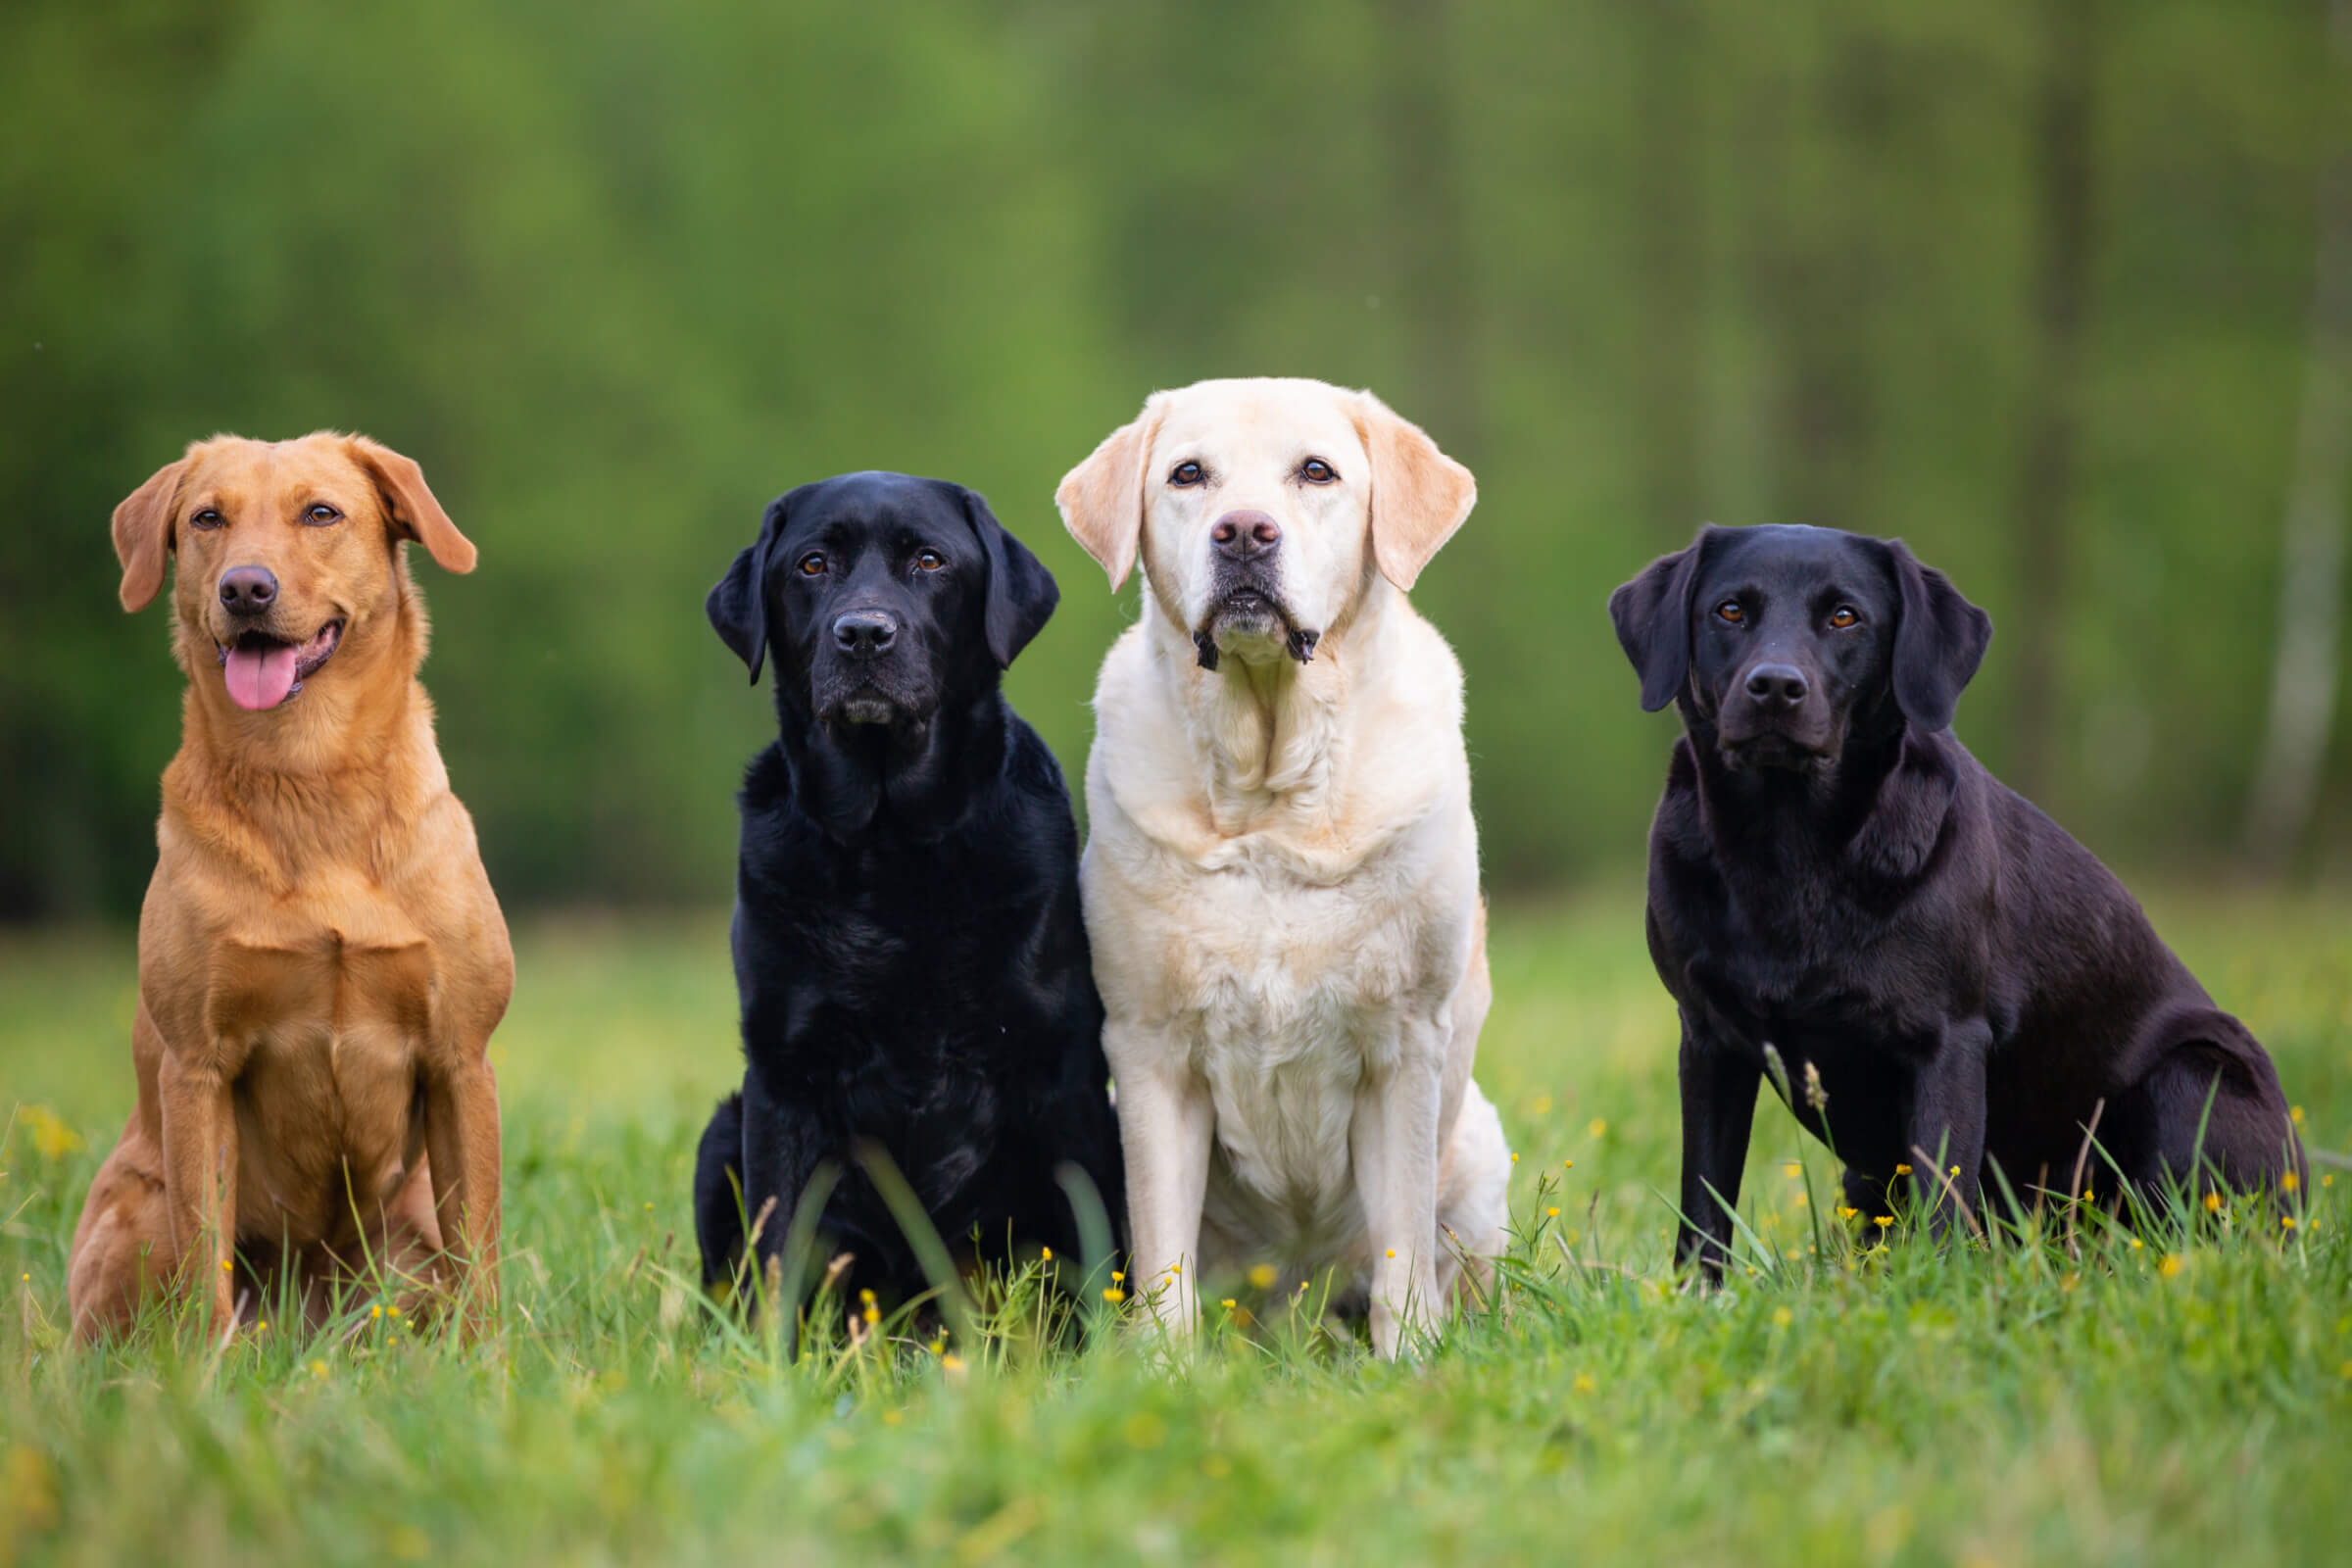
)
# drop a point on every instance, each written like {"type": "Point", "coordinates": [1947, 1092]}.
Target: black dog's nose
{"type": "Point", "coordinates": [248, 590]}
{"type": "Point", "coordinates": [864, 633]}
{"type": "Point", "coordinates": [1245, 535]}
{"type": "Point", "coordinates": [1777, 685]}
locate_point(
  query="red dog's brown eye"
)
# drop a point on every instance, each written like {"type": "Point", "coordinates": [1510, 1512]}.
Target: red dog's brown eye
{"type": "Point", "coordinates": [206, 519]}
{"type": "Point", "coordinates": [1730, 610]}
{"type": "Point", "coordinates": [813, 564]}
{"type": "Point", "coordinates": [1314, 470]}
{"type": "Point", "coordinates": [1843, 616]}
{"type": "Point", "coordinates": [1185, 473]}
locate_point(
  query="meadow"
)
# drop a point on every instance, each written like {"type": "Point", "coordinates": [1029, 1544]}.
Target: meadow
{"type": "Point", "coordinates": [1861, 1396]}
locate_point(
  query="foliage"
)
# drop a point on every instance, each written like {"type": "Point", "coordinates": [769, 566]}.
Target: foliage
{"type": "Point", "coordinates": [617, 274]}
{"type": "Point", "coordinates": [1878, 1401]}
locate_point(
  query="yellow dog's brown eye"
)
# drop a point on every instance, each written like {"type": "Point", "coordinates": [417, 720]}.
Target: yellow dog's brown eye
{"type": "Point", "coordinates": [813, 564]}
{"type": "Point", "coordinates": [1314, 470]}
{"type": "Point", "coordinates": [206, 518]}
{"type": "Point", "coordinates": [1730, 610]}
{"type": "Point", "coordinates": [320, 514]}
{"type": "Point", "coordinates": [1186, 474]}
{"type": "Point", "coordinates": [1843, 616]}
{"type": "Point", "coordinates": [930, 560]}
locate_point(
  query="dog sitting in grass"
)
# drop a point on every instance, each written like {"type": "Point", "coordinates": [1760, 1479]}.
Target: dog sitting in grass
{"type": "Point", "coordinates": [1832, 875]}
{"type": "Point", "coordinates": [320, 958]}
{"type": "Point", "coordinates": [914, 975]}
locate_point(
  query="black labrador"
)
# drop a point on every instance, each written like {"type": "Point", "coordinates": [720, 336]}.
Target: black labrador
{"type": "Point", "coordinates": [1831, 873]}
{"type": "Point", "coordinates": [912, 969]}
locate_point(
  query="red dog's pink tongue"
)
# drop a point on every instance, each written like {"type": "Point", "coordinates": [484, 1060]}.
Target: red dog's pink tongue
{"type": "Point", "coordinates": [258, 680]}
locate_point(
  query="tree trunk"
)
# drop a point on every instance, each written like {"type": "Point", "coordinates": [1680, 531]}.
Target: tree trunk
{"type": "Point", "coordinates": [1670, 223]}
{"type": "Point", "coordinates": [2311, 565]}
{"type": "Point", "coordinates": [2045, 555]}
{"type": "Point", "coordinates": [1432, 257]}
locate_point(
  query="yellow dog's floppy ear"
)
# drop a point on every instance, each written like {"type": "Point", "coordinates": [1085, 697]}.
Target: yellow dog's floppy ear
{"type": "Point", "coordinates": [1419, 495]}
{"type": "Point", "coordinates": [1102, 500]}
{"type": "Point", "coordinates": [143, 534]}
{"type": "Point", "coordinates": [410, 501]}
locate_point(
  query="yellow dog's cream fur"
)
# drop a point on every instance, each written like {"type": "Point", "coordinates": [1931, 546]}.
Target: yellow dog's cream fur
{"type": "Point", "coordinates": [1281, 885]}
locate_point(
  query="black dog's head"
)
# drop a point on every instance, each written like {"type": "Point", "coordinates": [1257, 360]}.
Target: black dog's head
{"type": "Point", "coordinates": [882, 596]}
{"type": "Point", "coordinates": [1779, 638]}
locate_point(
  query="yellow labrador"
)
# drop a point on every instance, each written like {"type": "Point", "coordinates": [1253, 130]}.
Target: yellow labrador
{"type": "Point", "coordinates": [1281, 886]}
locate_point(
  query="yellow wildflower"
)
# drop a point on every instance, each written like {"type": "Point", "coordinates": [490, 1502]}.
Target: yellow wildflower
{"type": "Point", "coordinates": [1117, 1278]}
{"type": "Point", "coordinates": [1846, 1211]}
{"type": "Point", "coordinates": [1046, 1254]}
{"type": "Point", "coordinates": [1782, 1317]}
{"type": "Point", "coordinates": [1227, 1303]}
{"type": "Point", "coordinates": [1792, 1170]}
{"type": "Point", "coordinates": [2287, 1221]}
{"type": "Point", "coordinates": [50, 1135]}
{"type": "Point", "coordinates": [1597, 1127]}
{"type": "Point", "coordinates": [1392, 1251]}
{"type": "Point", "coordinates": [1114, 1295]}
{"type": "Point", "coordinates": [2289, 1182]}
{"type": "Point", "coordinates": [2171, 1265]}
{"type": "Point", "coordinates": [1882, 1221]}
{"type": "Point", "coordinates": [1262, 1275]}
{"type": "Point", "coordinates": [1553, 1212]}
{"type": "Point", "coordinates": [1901, 1169]}
{"type": "Point", "coordinates": [1567, 1165]}
{"type": "Point", "coordinates": [2294, 1113]}
{"type": "Point", "coordinates": [2213, 1202]}
{"type": "Point", "coordinates": [318, 1369]}
{"type": "Point", "coordinates": [1584, 1384]}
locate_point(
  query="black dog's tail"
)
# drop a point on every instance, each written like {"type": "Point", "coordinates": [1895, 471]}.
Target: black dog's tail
{"type": "Point", "coordinates": [718, 1193]}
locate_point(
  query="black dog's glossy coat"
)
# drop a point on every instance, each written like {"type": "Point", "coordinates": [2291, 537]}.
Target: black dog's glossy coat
{"type": "Point", "coordinates": [913, 967]}
{"type": "Point", "coordinates": [1833, 873]}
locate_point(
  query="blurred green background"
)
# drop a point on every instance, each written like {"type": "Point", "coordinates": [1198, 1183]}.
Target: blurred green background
{"type": "Point", "coordinates": [2030, 282]}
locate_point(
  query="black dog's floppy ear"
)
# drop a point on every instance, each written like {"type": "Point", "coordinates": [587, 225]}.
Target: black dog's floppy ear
{"type": "Point", "coordinates": [1938, 645]}
{"type": "Point", "coordinates": [738, 605]}
{"type": "Point", "coordinates": [1652, 616]}
{"type": "Point", "coordinates": [1021, 592]}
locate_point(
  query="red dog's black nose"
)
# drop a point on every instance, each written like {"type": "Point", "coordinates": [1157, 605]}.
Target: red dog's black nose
{"type": "Point", "coordinates": [864, 633]}
{"type": "Point", "coordinates": [1777, 685]}
{"type": "Point", "coordinates": [248, 590]}
{"type": "Point", "coordinates": [1245, 535]}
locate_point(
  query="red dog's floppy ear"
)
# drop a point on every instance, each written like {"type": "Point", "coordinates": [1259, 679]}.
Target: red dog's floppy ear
{"type": "Point", "coordinates": [143, 533]}
{"type": "Point", "coordinates": [410, 501]}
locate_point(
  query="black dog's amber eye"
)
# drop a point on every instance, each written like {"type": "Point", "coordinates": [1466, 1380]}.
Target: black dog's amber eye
{"type": "Point", "coordinates": [930, 560]}
{"type": "Point", "coordinates": [1186, 474]}
{"type": "Point", "coordinates": [1730, 610]}
{"type": "Point", "coordinates": [320, 514]}
{"type": "Point", "coordinates": [1314, 470]}
{"type": "Point", "coordinates": [1843, 616]}
{"type": "Point", "coordinates": [206, 518]}
{"type": "Point", "coordinates": [813, 564]}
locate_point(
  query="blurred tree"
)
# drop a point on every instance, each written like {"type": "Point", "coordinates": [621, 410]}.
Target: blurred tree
{"type": "Point", "coordinates": [2311, 567]}
{"type": "Point", "coordinates": [2064, 214]}
{"type": "Point", "coordinates": [617, 274]}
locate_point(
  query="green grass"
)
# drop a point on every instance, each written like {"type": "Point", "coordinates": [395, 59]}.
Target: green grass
{"type": "Point", "coordinates": [1909, 1404]}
